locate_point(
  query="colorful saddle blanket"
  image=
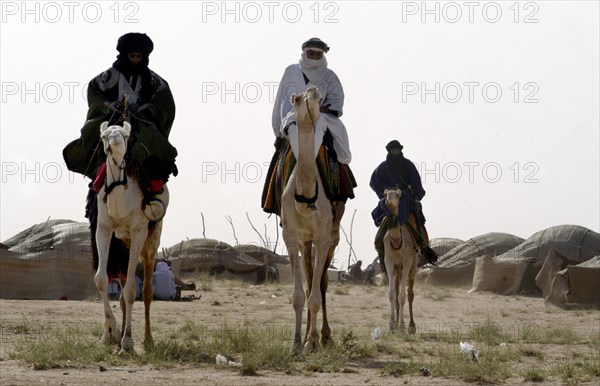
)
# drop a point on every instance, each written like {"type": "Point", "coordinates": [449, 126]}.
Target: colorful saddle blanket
{"type": "Point", "coordinates": [337, 178]}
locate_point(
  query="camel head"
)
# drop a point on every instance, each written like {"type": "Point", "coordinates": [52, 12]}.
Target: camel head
{"type": "Point", "coordinates": [115, 139]}
{"type": "Point", "coordinates": [307, 104]}
{"type": "Point", "coordinates": [392, 199]}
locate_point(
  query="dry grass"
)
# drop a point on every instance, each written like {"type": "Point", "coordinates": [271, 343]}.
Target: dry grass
{"type": "Point", "coordinates": [259, 338]}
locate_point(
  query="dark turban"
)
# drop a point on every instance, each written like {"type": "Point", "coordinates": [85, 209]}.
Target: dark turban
{"type": "Point", "coordinates": [135, 42]}
{"type": "Point", "coordinates": [315, 43]}
{"type": "Point", "coordinates": [394, 145]}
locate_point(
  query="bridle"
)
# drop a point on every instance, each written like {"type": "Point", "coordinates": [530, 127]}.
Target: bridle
{"type": "Point", "coordinates": [396, 243]}
{"type": "Point", "coordinates": [121, 178]}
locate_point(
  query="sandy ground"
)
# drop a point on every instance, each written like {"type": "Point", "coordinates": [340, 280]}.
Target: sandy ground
{"type": "Point", "coordinates": [355, 307]}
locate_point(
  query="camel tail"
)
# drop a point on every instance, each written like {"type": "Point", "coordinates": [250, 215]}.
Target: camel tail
{"type": "Point", "coordinates": [118, 254]}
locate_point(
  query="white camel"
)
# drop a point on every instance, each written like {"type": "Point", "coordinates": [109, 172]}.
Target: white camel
{"type": "Point", "coordinates": [308, 217]}
{"type": "Point", "coordinates": [121, 209]}
{"type": "Point", "coordinates": [400, 251]}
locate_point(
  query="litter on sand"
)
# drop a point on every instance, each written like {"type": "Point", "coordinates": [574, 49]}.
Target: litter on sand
{"type": "Point", "coordinates": [468, 348]}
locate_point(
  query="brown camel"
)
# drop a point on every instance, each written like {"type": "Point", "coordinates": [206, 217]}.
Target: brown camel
{"type": "Point", "coordinates": [400, 251]}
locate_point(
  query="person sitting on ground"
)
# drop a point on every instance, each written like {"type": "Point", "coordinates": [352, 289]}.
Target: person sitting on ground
{"type": "Point", "coordinates": [163, 282]}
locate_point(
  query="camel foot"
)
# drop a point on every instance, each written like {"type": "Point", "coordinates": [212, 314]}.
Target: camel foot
{"type": "Point", "coordinates": [148, 344]}
{"type": "Point", "coordinates": [126, 344]}
{"type": "Point", "coordinates": [393, 326]}
{"type": "Point", "coordinates": [326, 335]}
{"type": "Point", "coordinates": [412, 328]}
{"type": "Point", "coordinates": [297, 349]}
{"type": "Point", "coordinates": [126, 353]}
{"type": "Point", "coordinates": [311, 345]}
{"type": "Point", "coordinates": [326, 340]}
{"type": "Point", "coordinates": [111, 335]}
{"type": "Point", "coordinates": [402, 328]}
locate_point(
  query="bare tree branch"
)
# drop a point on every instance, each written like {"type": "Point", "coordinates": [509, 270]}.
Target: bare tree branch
{"type": "Point", "coordinates": [203, 227]}
{"type": "Point", "coordinates": [277, 233]}
{"type": "Point", "coordinates": [256, 230]}
{"type": "Point", "coordinates": [349, 240]}
{"type": "Point", "coordinates": [230, 220]}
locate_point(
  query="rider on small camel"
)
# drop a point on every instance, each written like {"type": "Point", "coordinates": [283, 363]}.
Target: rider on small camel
{"type": "Point", "coordinates": [128, 90]}
{"type": "Point", "coordinates": [399, 172]}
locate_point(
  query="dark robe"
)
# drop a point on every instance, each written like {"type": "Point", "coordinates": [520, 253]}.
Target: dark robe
{"type": "Point", "coordinates": [151, 124]}
{"type": "Point", "coordinates": [399, 175]}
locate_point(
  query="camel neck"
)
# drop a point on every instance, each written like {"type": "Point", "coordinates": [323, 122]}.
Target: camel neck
{"type": "Point", "coordinates": [115, 173]}
{"type": "Point", "coordinates": [306, 183]}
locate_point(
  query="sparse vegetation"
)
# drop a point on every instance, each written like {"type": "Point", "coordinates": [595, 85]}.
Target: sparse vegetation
{"type": "Point", "coordinates": [534, 375]}
{"type": "Point", "coordinates": [531, 353]}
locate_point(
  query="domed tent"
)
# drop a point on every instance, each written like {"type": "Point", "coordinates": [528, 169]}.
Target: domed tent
{"type": "Point", "coordinates": [262, 254]}
{"type": "Point", "coordinates": [194, 256]}
{"type": "Point", "coordinates": [442, 245]}
{"type": "Point", "coordinates": [515, 270]}
{"type": "Point", "coordinates": [51, 260]}
{"type": "Point", "coordinates": [275, 263]}
{"type": "Point", "coordinates": [457, 266]}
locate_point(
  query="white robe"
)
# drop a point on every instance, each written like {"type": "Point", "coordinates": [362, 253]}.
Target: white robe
{"type": "Point", "coordinates": [331, 92]}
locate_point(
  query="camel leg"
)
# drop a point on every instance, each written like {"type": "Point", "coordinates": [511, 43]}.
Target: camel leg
{"type": "Point", "coordinates": [314, 301]}
{"type": "Point", "coordinates": [111, 332]}
{"type": "Point", "coordinates": [325, 329]}
{"type": "Point", "coordinates": [298, 298]}
{"type": "Point", "coordinates": [340, 207]}
{"type": "Point", "coordinates": [148, 292]}
{"type": "Point", "coordinates": [138, 236]}
{"type": "Point", "coordinates": [403, 280]}
{"type": "Point", "coordinates": [122, 281]}
{"type": "Point", "coordinates": [412, 328]}
{"type": "Point", "coordinates": [392, 292]}
{"type": "Point", "coordinates": [307, 261]}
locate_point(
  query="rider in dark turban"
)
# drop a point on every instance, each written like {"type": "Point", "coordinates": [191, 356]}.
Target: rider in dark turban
{"type": "Point", "coordinates": [152, 111]}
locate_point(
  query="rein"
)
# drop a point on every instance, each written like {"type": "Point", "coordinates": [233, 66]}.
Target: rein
{"type": "Point", "coordinates": [122, 179]}
{"type": "Point", "coordinates": [306, 200]}
{"type": "Point", "coordinates": [396, 243]}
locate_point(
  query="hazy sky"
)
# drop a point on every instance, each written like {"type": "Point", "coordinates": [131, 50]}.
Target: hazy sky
{"type": "Point", "coordinates": [497, 103]}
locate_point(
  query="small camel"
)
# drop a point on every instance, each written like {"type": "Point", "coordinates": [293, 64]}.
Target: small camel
{"type": "Point", "coordinates": [308, 217]}
{"type": "Point", "coordinates": [122, 211]}
{"type": "Point", "coordinates": [400, 251]}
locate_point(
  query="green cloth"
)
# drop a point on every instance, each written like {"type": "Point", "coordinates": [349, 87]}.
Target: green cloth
{"type": "Point", "coordinates": [151, 124]}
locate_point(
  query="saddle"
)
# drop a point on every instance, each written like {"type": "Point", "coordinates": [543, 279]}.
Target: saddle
{"type": "Point", "coordinates": [337, 178]}
{"type": "Point", "coordinates": [417, 231]}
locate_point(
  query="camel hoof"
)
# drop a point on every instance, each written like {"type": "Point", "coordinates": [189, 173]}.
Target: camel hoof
{"type": "Point", "coordinates": [148, 344]}
{"type": "Point", "coordinates": [110, 336]}
{"type": "Point", "coordinates": [326, 340]}
{"type": "Point", "coordinates": [126, 344]}
{"type": "Point", "coordinates": [310, 346]}
{"type": "Point", "coordinates": [412, 329]}
{"type": "Point", "coordinates": [126, 353]}
{"type": "Point", "coordinates": [297, 349]}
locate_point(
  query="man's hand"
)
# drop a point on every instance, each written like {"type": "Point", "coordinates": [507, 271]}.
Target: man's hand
{"type": "Point", "coordinates": [418, 206]}
{"type": "Point", "coordinates": [326, 109]}
{"type": "Point", "coordinates": [114, 106]}
{"type": "Point", "coordinates": [278, 143]}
